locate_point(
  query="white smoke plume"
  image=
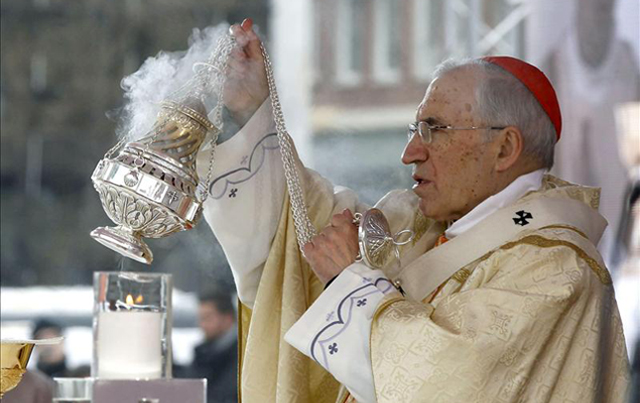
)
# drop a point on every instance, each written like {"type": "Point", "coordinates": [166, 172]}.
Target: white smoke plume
{"type": "Point", "coordinates": [159, 77]}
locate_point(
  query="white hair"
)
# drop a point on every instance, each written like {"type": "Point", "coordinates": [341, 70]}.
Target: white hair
{"type": "Point", "coordinates": [505, 101]}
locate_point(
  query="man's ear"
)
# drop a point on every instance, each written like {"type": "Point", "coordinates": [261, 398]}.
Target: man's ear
{"type": "Point", "coordinates": [510, 145]}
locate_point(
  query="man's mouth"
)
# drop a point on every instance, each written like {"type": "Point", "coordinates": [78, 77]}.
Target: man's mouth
{"type": "Point", "coordinates": [420, 181]}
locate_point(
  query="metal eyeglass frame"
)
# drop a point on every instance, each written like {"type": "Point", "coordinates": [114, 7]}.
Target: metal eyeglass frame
{"type": "Point", "coordinates": [419, 127]}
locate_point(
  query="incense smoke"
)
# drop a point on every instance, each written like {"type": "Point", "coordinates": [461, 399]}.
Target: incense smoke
{"type": "Point", "coordinates": [158, 77]}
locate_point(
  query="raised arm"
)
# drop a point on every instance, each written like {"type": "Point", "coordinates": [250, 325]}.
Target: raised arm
{"type": "Point", "coordinates": [246, 194]}
{"type": "Point", "coordinates": [247, 188]}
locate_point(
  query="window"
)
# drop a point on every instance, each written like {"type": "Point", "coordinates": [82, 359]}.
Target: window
{"type": "Point", "coordinates": [459, 19]}
{"type": "Point", "coordinates": [350, 41]}
{"type": "Point", "coordinates": [507, 19]}
{"type": "Point", "coordinates": [387, 40]}
{"type": "Point", "coordinates": [429, 37]}
{"type": "Point", "coordinates": [465, 28]}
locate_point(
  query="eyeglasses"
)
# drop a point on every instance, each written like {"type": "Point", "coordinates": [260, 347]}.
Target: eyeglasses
{"type": "Point", "coordinates": [425, 130]}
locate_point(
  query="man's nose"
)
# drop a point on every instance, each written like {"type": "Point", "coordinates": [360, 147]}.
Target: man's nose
{"type": "Point", "coordinates": [415, 151]}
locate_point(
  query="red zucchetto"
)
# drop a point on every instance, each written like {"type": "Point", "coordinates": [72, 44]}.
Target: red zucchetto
{"type": "Point", "coordinates": [536, 82]}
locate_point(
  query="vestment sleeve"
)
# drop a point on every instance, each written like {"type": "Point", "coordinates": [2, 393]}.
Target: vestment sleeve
{"type": "Point", "coordinates": [335, 330]}
{"type": "Point", "coordinates": [479, 344]}
{"type": "Point", "coordinates": [246, 195]}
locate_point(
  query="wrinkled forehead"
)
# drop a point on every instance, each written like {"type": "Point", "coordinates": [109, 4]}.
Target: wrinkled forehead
{"type": "Point", "coordinates": [453, 92]}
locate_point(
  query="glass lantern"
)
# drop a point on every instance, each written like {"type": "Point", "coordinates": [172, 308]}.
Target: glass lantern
{"type": "Point", "coordinates": [132, 325]}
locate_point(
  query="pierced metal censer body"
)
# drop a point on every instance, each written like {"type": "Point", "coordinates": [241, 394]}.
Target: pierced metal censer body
{"type": "Point", "coordinates": [151, 189]}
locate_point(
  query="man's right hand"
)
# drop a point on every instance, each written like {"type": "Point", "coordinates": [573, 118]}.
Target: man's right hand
{"type": "Point", "coordinates": [246, 85]}
{"type": "Point", "coordinates": [334, 248]}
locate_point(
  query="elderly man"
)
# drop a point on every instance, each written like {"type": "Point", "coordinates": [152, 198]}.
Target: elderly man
{"type": "Point", "coordinates": [500, 295]}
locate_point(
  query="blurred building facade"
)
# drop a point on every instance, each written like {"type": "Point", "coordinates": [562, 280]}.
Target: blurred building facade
{"type": "Point", "coordinates": [377, 56]}
{"type": "Point", "coordinates": [62, 62]}
{"type": "Point", "coordinates": [361, 67]}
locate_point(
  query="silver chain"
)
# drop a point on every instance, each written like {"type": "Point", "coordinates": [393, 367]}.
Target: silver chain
{"type": "Point", "coordinates": [115, 148]}
{"type": "Point", "coordinates": [204, 192]}
{"type": "Point", "coordinates": [224, 48]}
{"type": "Point", "coordinates": [304, 228]}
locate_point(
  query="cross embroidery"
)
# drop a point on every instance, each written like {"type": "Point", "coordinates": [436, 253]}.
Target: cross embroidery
{"type": "Point", "coordinates": [522, 218]}
{"type": "Point", "coordinates": [333, 348]}
{"type": "Point", "coordinates": [362, 302]}
{"type": "Point", "coordinates": [233, 192]}
{"type": "Point", "coordinates": [244, 160]}
{"type": "Point", "coordinates": [330, 316]}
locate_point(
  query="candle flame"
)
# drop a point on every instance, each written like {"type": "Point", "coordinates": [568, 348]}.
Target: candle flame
{"type": "Point", "coordinates": [130, 300]}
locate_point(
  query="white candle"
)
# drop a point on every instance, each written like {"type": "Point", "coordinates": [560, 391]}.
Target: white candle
{"type": "Point", "coordinates": [129, 345]}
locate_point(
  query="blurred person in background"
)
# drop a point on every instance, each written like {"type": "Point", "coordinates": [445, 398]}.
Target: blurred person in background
{"type": "Point", "coordinates": [627, 279]}
{"type": "Point", "coordinates": [51, 359]}
{"type": "Point", "coordinates": [634, 396]}
{"type": "Point", "coordinates": [216, 358]}
{"type": "Point", "coordinates": [630, 273]}
{"type": "Point", "coordinates": [593, 70]}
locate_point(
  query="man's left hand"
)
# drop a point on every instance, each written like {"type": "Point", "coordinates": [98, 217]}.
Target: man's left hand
{"type": "Point", "coordinates": [333, 249]}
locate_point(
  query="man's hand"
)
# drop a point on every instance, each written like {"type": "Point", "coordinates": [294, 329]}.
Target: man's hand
{"type": "Point", "coordinates": [333, 249]}
{"type": "Point", "coordinates": [246, 84]}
